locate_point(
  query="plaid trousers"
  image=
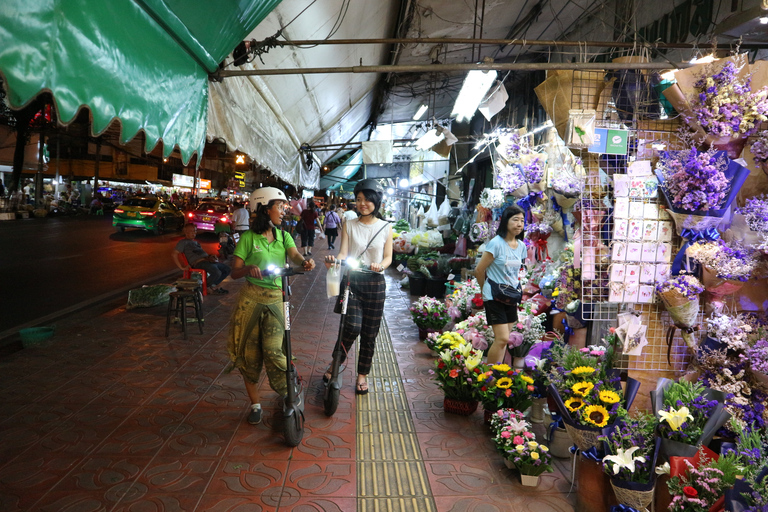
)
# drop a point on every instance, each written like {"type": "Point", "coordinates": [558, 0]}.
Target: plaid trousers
{"type": "Point", "coordinates": [364, 313]}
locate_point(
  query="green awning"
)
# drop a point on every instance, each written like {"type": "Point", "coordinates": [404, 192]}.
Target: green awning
{"type": "Point", "coordinates": [145, 62]}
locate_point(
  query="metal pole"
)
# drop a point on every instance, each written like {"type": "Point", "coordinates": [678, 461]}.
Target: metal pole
{"type": "Point", "coordinates": [442, 68]}
{"type": "Point", "coordinates": [500, 42]}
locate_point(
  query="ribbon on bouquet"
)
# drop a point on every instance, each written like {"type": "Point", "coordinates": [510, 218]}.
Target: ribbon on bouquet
{"type": "Point", "coordinates": [567, 332]}
{"type": "Point", "coordinates": [530, 200]}
{"type": "Point", "coordinates": [691, 236]}
{"type": "Point", "coordinates": [623, 508]}
{"type": "Point", "coordinates": [557, 422]}
{"type": "Point", "coordinates": [542, 252]}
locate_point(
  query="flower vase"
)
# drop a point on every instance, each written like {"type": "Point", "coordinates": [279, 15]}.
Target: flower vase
{"type": "Point", "coordinates": [518, 362]}
{"type": "Point", "coordinates": [460, 407]}
{"type": "Point", "coordinates": [425, 331]}
{"type": "Point", "coordinates": [537, 410]}
{"type": "Point", "coordinates": [716, 290]}
{"type": "Point", "coordinates": [732, 145]}
{"type": "Point", "coordinates": [529, 480]}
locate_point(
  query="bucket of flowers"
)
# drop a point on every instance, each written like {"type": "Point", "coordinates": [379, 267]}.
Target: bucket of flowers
{"type": "Point", "coordinates": [429, 314]}
{"type": "Point", "coordinates": [439, 341]}
{"type": "Point", "coordinates": [631, 452]}
{"type": "Point", "coordinates": [460, 301]}
{"type": "Point", "coordinates": [689, 416]}
{"type": "Point", "coordinates": [500, 386]}
{"type": "Point", "coordinates": [680, 295]}
{"type": "Point", "coordinates": [476, 331]}
{"type": "Point", "coordinates": [454, 373]}
{"type": "Point", "coordinates": [587, 390]}
{"type": "Point", "coordinates": [528, 330]}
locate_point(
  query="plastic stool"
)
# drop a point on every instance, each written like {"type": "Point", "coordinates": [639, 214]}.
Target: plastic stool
{"type": "Point", "coordinates": [177, 308]}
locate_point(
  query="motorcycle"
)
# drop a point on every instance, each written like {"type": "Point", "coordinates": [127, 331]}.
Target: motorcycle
{"type": "Point", "coordinates": [227, 243]}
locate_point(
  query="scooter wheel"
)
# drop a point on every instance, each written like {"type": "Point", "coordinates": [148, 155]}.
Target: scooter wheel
{"type": "Point", "coordinates": [294, 429]}
{"type": "Point", "coordinates": [331, 401]}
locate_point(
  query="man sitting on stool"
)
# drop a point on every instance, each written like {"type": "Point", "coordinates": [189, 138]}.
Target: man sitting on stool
{"type": "Point", "coordinates": [198, 258]}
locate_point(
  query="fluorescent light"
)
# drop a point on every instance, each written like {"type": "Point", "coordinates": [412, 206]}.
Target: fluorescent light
{"type": "Point", "coordinates": [764, 20]}
{"type": "Point", "coordinates": [420, 113]}
{"type": "Point", "coordinates": [476, 85]}
{"type": "Point", "coordinates": [403, 183]}
{"type": "Point", "coordinates": [429, 139]}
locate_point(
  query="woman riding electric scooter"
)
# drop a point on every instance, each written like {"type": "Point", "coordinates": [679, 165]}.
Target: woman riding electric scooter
{"type": "Point", "coordinates": [258, 324]}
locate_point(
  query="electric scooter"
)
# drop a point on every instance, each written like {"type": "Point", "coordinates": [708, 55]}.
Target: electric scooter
{"type": "Point", "coordinates": [293, 406]}
{"type": "Point", "coordinates": [333, 386]}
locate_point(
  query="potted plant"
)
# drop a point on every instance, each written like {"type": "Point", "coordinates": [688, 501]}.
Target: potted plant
{"type": "Point", "coordinates": [503, 387]}
{"type": "Point", "coordinates": [455, 376]}
{"type": "Point", "coordinates": [429, 315]}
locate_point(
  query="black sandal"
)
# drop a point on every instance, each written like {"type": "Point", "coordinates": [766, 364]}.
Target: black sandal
{"type": "Point", "coordinates": [361, 388]}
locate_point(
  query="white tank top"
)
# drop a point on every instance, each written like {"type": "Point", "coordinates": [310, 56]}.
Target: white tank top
{"type": "Point", "coordinates": [358, 236]}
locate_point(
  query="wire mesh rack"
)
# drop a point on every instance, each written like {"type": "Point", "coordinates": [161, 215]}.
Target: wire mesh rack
{"type": "Point", "coordinates": [628, 240]}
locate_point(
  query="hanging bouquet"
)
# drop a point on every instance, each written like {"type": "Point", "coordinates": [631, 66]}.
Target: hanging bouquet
{"type": "Point", "coordinates": [476, 331]}
{"type": "Point", "coordinates": [725, 260]}
{"type": "Point", "coordinates": [429, 313]}
{"type": "Point", "coordinates": [680, 295]}
{"type": "Point", "coordinates": [512, 146]}
{"type": "Point", "coordinates": [536, 235]}
{"type": "Point", "coordinates": [755, 213]}
{"type": "Point", "coordinates": [534, 168]}
{"type": "Point", "coordinates": [757, 355]}
{"type": "Point", "coordinates": [568, 288]}
{"type": "Point", "coordinates": [460, 301]}
{"type": "Point", "coordinates": [632, 448]}
{"type": "Point", "coordinates": [502, 387]}
{"type": "Point", "coordinates": [480, 232]}
{"type": "Point", "coordinates": [454, 372]}
{"type": "Point", "coordinates": [725, 106]}
{"type": "Point", "coordinates": [528, 330]}
{"type": "Point", "coordinates": [492, 198]}
{"type": "Point", "coordinates": [694, 180]}
{"type": "Point", "coordinates": [511, 180]}
{"type": "Point", "coordinates": [689, 415]}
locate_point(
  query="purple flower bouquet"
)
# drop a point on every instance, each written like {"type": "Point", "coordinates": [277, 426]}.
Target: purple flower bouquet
{"type": "Point", "coordinates": [680, 295]}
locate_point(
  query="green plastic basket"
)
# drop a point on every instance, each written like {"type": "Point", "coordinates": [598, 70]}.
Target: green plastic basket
{"type": "Point", "coordinates": [35, 335]}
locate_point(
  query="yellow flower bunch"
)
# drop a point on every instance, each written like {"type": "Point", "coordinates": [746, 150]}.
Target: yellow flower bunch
{"type": "Point", "coordinates": [582, 388]}
{"type": "Point", "coordinates": [583, 370]}
{"type": "Point", "coordinates": [609, 397]}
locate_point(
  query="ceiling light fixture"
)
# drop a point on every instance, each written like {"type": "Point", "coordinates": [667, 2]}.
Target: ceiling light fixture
{"type": "Point", "coordinates": [764, 20]}
{"type": "Point", "coordinates": [429, 139]}
{"type": "Point", "coordinates": [403, 183]}
{"type": "Point", "coordinates": [420, 113]}
{"type": "Point", "coordinates": [476, 85]}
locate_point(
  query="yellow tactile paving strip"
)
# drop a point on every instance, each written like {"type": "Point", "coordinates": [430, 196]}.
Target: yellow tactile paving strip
{"type": "Point", "coordinates": [391, 475]}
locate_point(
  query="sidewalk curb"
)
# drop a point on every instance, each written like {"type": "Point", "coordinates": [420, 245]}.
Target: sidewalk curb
{"type": "Point", "coordinates": [10, 336]}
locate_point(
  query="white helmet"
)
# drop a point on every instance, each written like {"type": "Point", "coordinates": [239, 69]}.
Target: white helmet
{"type": "Point", "coordinates": [264, 196]}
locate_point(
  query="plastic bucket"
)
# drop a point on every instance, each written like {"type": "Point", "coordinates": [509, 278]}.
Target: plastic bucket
{"type": "Point", "coordinates": [35, 335]}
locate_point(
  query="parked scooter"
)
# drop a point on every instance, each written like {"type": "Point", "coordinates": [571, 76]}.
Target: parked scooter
{"type": "Point", "coordinates": [227, 243]}
{"type": "Point", "coordinates": [293, 406]}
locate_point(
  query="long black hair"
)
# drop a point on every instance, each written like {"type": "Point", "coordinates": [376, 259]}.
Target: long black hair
{"type": "Point", "coordinates": [262, 222]}
{"type": "Point", "coordinates": [509, 212]}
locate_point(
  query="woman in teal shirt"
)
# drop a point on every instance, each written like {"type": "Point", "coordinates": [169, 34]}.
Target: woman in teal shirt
{"type": "Point", "coordinates": [257, 324]}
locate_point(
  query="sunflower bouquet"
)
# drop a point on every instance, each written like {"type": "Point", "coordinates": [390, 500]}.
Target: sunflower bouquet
{"type": "Point", "coordinates": [500, 386]}
{"type": "Point", "coordinates": [454, 371]}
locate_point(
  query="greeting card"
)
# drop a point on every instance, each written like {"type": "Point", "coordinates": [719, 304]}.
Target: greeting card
{"type": "Point", "coordinates": [646, 294]}
{"type": "Point", "coordinates": [664, 252]}
{"type": "Point", "coordinates": [636, 187]}
{"type": "Point", "coordinates": [650, 211]}
{"type": "Point", "coordinates": [636, 210]}
{"type": "Point", "coordinates": [649, 252]}
{"type": "Point", "coordinates": [631, 292]}
{"type": "Point", "coordinates": [635, 229]}
{"type": "Point", "coordinates": [621, 208]}
{"type": "Point", "coordinates": [635, 340]}
{"type": "Point", "coordinates": [650, 230]}
{"type": "Point", "coordinates": [662, 272]}
{"type": "Point", "coordinates": [647, 273]}
{"type": "Point", "coordinates": [616, 292]}
{"type": "Point", "coordinates": [619, 251]}
{"type": "Point", "coordinates": [634, 251]}
{"type": "Point", "coordinates": [620, 185]}
{"type": "Point", "coordinates": [632, 275]}
{"type": "Point", "coordinates": [665, 231]}
{"type": "Point", "coordinates": [650, 188]}
{"type": "Point", "coordinates": [588, 263]}
{"type": "Point", "coordinates": [620, 229]}
{"type": "Point", "coordinates": [617, 272]}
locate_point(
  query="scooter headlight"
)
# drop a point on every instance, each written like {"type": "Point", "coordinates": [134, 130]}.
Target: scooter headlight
{"type": "Point", "coordinates": [352, 262]}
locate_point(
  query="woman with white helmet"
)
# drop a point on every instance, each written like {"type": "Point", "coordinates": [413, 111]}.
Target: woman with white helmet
{"type": "Point", "coordinates": [369, 239]}
{"type": "Point", "coordinates": [257, 324]}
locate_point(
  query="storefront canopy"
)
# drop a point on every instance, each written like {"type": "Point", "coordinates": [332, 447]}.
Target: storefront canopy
{"type": "Point", "coordinates": [144, 62]}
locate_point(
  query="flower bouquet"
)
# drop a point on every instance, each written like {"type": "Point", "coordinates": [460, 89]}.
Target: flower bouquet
{"type": "Point", "coordinates": [759, 150]}
{"type": "Point", "coordinates": [492, 198]}
{"type": "Point", "coordinates": [528, 330]}
{"type": "Point", "coordinates": [587, 391]}
{"type": "Point", "coordinates": [680, 295]}
{"type": "Point", "coordinates": [567, 186]}
{"type": "Point", "coordinates": [502, 387]}
{"type": "Point", "coordinates": [537, 235]}
{"type": "Point", "coordinates": [534, 166]}
{"type": "Point", "coordinates": [689, 415]}
{"type": "Point", "coordinates": [429, 314]}
{"type": "Point", "coordinates": [755, 213]}
{"type": "Point", "coordinates": [531, 459]}
{"type": "Point", "coordinates": [476, 331]}
{"type": "Point", "coordinates": [509, 428]}
{"type": "Point", "coordinates": [725, 268]}
{"type": "Point", "coordinates": [460, 301]}
{"type": "Point", "coordinates": [511, 180]}
{"type": "Point", "coordinates": [454, 373]}
{"type": "Point", "coordinates": [697, 486]}
{"type": "Point", "coordinates": [758, 360]}
{"type": "Point", "coordinates": [632, 449]}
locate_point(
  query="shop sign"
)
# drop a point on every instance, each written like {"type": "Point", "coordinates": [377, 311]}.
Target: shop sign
{"type": "Point", "coordinates": [182, 180]}
{"type": "Point", "coordinates": [610, 142]}
{"type": "Point", "coordinates": [204, 184]}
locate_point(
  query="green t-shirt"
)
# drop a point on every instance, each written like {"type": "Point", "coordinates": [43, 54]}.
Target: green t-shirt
{"type": "Point", "coordinates": [253, 249]}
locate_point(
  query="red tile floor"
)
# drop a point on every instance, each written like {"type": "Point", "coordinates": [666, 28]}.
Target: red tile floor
{"type": "Point", "coordinates": [109, 415]}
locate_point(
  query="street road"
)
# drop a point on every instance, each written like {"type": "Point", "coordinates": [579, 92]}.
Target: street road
{"type": "Point", "coordinates": [50, 264]}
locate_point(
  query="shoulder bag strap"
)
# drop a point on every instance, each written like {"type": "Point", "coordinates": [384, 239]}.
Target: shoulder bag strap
{"type": "Point", "coordinates": [386, 223]}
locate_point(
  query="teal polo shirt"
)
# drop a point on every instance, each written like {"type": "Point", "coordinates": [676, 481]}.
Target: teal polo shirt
{"type": "Point", "coordinates": [254, 249]}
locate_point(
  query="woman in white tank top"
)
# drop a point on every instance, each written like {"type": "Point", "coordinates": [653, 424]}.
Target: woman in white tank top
{"type": "Point", "coordinates": [369, 239]}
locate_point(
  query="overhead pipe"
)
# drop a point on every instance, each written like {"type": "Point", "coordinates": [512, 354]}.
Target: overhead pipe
{"type": "Point", "coordinates": [442, 68]}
